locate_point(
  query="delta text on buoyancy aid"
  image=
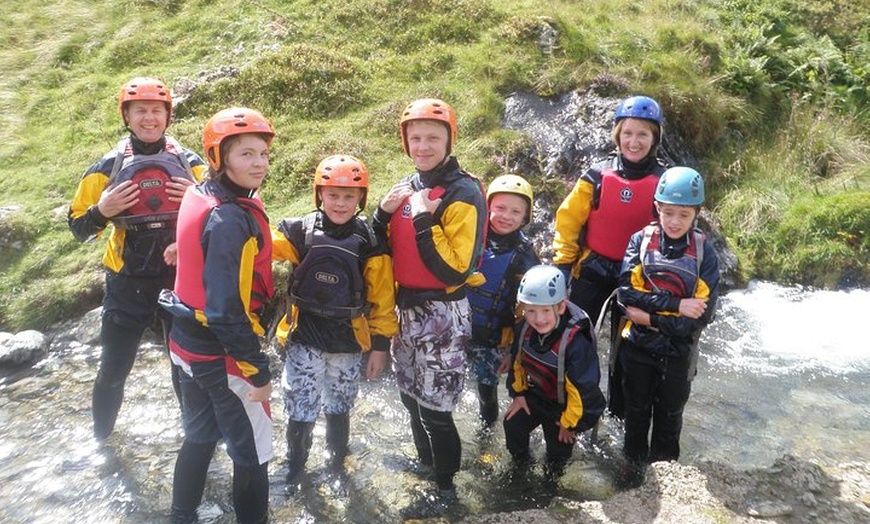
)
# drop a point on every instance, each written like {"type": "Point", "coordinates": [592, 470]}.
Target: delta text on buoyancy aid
{"type": "Point", "coordinates": [194, 212]}
{"type": "Point", "coordinates": [678, 276]}
{"type": "Point", "coordinates": [149, 173]}
{"type": "Point", "coordinates": [329, 281]}
{"type": "Point", "coordinates": [623, 207]}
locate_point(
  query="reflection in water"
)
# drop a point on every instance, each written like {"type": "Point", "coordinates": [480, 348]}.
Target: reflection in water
{"type": "Point", "coordinates": [780, 374]}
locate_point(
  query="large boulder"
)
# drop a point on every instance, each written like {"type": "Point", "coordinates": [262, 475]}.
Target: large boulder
{"type": "Point", "coordinates": [22, 348]}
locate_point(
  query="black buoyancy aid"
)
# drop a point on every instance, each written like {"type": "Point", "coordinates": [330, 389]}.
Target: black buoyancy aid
{"type": "Point", "coordinates": [192, 217]}
{"type": "Point", "coordinates": [546, 370]}
{"type": "Point", "coordinates": [678, 276]}
{"type": "Point", "coordinates": [492, 302]}
{"type": "Point", "coordinates": [623, 207]}
{"type": "Point", "coordinates": [150, 173]}
{"type": "Point", "coordinates": [408, 267]}
{"type": "Point", "coordinates": [329, 280]}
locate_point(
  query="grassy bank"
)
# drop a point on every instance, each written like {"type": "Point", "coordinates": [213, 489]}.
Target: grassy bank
{"type": "Point", "coordinates": [772, 97]}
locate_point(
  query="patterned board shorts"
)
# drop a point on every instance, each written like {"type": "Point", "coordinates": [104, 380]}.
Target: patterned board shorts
{"type": "Point", "coordinates": [314, 379]}
{"type": "Point", "coordinates": [429, 352]}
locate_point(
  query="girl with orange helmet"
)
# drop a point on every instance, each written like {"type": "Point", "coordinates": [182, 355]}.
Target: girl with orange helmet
{"type": "Point", "coordinates": [224, 281]}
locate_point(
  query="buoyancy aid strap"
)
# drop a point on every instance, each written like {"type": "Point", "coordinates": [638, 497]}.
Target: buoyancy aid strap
{"type": "Point", "coordinates": [124, 148]}
{"type": "Point", "coordinates": [560, 365]}
{"type": "Point", "coordinates": [308, 222]}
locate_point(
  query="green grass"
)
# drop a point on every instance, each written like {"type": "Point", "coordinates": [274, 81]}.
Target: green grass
{"type": "Point", "coordinates": [771, 96]}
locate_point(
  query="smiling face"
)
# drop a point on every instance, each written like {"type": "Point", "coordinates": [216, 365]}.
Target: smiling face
{"type": "Point", "coordinates": [676, 220]}
{"type": "Point", "coordinates": [340, 203]}
{"type": "Point", "coordinates": [246, 161]}
{"type": "Point", "coordinates": [147, 119]}
{"type": "Point", "coordinates": [543, 319]}
{"type": "Point", "coordinates": [636, 138]}
{"type": "Point", "coordinates": [507, 212]}
{"type": "Point", "coordinates": [427, 143]}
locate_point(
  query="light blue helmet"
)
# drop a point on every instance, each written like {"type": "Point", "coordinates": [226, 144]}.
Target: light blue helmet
{"type": "Point", "coordinates": [681, 186]}
{"type": "Point", "coordinates": [542, 285]}
{"type": "Point", "coordinates": [639, 107]}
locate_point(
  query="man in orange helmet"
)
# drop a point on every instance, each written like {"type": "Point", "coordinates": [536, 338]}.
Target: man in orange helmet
{"type": "Point", "coordinates": [137, 187]}
{"type": "Point", "coordinates": [435, 222]}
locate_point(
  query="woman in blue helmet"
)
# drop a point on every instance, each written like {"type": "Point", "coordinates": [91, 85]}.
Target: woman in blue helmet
{"type": "Point", "coordinates": [611, 200]}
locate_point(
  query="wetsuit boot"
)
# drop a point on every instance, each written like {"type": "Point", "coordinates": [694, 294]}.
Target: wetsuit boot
{"type": "Point", "coordinates": [298, 447]}
{"type": "Point", "coordinates": [488, 404]}
{"type": "Point", "coordinates": [337, 436]}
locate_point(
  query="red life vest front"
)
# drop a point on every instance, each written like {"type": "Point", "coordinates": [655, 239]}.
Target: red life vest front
{"type": "Point", "coordinates": [150, 173]}
{"type": "Point", "coordinates": [624, 207]}
{"type": "Point", "coordinates": [408, 266]}
{"type": "Point", "coordinates": [195, 208]}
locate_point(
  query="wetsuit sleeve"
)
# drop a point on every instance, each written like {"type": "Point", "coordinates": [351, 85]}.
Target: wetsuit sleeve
{"type": "Point", "coordinates": [571, 218]}
{"type": "Point", "coordinates": [230, 245]}
{"type": "Point", "coordinates": [283, 250]}
{"type": "Point", "coordinates": [516, 377]}
{"type": "Point", "coordinates": [448, 248]}
{"type": "Point", "coordinates": [84, 219]}
{"type": "Point", "coordinates": [708, 287]}
{"type": "Point", "coordinates": [381, 294]}
{"type": "Point", "coordinates": [381, 225]}
{"type": "Point", "coordinates": [584, 401]}
{"type": "Point", "coordinates": [197, 166]}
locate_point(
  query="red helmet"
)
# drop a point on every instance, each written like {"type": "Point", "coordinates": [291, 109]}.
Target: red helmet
{"type": "Point", "coordinates": [229, 122]}
{"type": "Point", "coordinates": [341, 171]}
{"type": "Point", "coordinates": [429, 109]}
{"type": "Point", "coordinates": [143, 88]}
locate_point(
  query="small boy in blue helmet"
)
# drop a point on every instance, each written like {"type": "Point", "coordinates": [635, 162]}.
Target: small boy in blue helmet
{"type": "Point", "coordinates": [554, 375]}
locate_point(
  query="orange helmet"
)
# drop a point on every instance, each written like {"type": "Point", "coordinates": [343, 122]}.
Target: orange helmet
{"type": "Point", "coordinates": [229, 122]}
{"type": "Point", "coordinates": [341, 171]}
{"type": "Point", "coordinates": [429, 109]}
{"type": "Point", "coordinates": [143, 88]}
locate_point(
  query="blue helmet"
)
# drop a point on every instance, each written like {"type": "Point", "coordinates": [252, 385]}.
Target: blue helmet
{"type": "Point", "coordinates": [639, 107]}
{"type": "Point", "coordinates": [681, 186]}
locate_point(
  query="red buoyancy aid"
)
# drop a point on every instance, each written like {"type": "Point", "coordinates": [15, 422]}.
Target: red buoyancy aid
{"type": "Point", "coordinates": [408, 266]}
{"type": "Point", "coordinates": [150, 173]}
{"type": "Point", "coordinates": [195, 208]}
{"type": "Point", "coordinates": [678, 276]}
{"type": "Point", "coordinates": [624, 207]}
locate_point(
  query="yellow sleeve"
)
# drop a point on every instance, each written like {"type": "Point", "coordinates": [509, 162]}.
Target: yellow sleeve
{"type": "Point", "coordinates": [282, 249]}
{"type": "Point", "coordinates": [381, 294]}
{"type": "Point", "coordinates": [571, 217]}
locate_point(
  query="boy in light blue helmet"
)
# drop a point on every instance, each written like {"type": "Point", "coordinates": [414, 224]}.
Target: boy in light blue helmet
{"type": "Point", "coordinates": [554, 375]}
{"type": "Point", "coordinates": [668, 286]}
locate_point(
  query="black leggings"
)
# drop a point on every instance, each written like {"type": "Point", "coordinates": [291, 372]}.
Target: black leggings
{"type": "Point", "coordinates": [436, 439]}
{"type": "Point", "coordinates": [119, 347]}
{"type": "Point", "coordinates": [250, 485]}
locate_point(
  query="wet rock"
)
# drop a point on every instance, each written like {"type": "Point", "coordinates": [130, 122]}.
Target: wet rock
{"type": "Point", "coordinates": [22, 348]}
{"type": "Point", "coordinates": [769, 509]}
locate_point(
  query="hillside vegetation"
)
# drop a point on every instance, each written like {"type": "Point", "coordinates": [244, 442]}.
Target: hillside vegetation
{"type": "Point", "coordinates": [771, 96]}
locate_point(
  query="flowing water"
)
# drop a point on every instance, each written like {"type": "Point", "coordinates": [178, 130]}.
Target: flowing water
{"type": "Point", "coordinates": [783, 371]}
